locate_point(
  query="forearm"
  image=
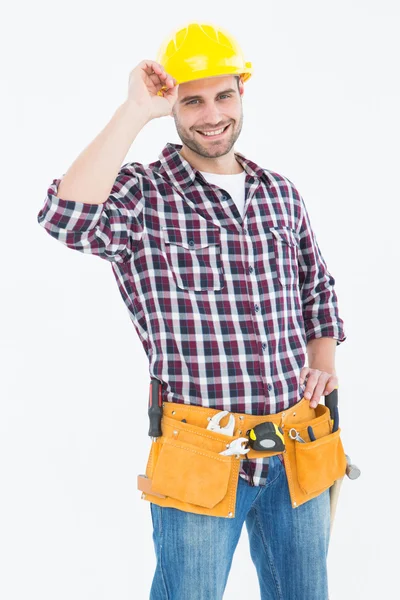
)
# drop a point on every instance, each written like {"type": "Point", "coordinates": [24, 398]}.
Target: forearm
{"type": "Point", "coordinates": [91, 176]}
{"type": "Point", "coordinates": [321, 354]}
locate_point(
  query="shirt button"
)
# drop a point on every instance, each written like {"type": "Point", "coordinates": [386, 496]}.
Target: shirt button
{"type": "Point", "coordinates": [191, 243]}
{"type": "Point", "coordinates": [264, 346]}
{"type": "Point", "coordinates": [245, 231]}
{"type": "Point", "coordinates": [269, 387]}
{"type": "Point", "coordinates": [251, 269]}
{"type": "Point", "coordinates": [256, 308]}
{"type": "Point", "coordinates": [224, 197]}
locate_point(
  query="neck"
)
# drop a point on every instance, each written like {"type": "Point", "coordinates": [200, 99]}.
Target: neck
{"type": "Point", "coordinates": [223, 165]}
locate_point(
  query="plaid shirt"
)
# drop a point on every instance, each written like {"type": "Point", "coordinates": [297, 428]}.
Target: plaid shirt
{"type": "Point", "coordinates": [223, 305]}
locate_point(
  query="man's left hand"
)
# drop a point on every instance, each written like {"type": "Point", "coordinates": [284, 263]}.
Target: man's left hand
{"type": "Point", "coordinates": [319, 383]}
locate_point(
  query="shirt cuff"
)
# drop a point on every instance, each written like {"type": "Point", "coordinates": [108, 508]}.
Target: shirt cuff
{"type": "Point", "coordinates": [68, 214]}
{"type": "Point", "coordinates": [331, 330]}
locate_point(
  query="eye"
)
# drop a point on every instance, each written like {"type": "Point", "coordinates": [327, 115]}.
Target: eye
{"type": "Point", "coordinates": [221, 96]}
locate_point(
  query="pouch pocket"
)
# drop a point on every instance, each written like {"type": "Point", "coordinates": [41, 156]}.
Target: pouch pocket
{"type": "Point", "coordinates": [320, 463]}
{"type": "Point", "coordinates": [191, 474]}
{"type": "Point", "coordinates": [194, 257]}
{"type": "Point", "coordinates": [286, 255]}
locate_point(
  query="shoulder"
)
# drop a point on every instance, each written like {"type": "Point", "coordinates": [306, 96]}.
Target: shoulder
{"type": "Point", "coordinates": [283, 185]}
{"type": "Point", "coordinates": [284, 193]}
{"type": "Point", "coordinates": [146, 176]}
{"type": "Point", "coordinates": [141, 170]}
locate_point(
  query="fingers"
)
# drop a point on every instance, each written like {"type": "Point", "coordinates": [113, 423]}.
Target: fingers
{"type": "Point", "coordinates": [303, 373]}
{"type": "Point", "coordinates": [158, 74]}
{"type": "Point", "coordinates": [319, 383]}
{"type": "Point", "coordinates": [171, 92]}
{"type": "Point", "coordinates": [312, 388]}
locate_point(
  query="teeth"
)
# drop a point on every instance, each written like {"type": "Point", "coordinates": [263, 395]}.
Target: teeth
{"type": "Point", "coordinates": [217, 132]}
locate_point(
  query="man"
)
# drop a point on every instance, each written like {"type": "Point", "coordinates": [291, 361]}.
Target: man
{"type": "Point", "coordinates": [226, 286]}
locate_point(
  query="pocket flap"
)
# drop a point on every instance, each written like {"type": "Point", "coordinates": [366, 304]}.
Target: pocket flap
{"type": "Point", "coordinates": [192, 239]}
{"type": "Point", "coordinates": [191, 474]}
{"type": "Point", "coordinates": [285, 235]}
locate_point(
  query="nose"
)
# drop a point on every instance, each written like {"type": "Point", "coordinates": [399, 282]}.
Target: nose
{"type": "Point", "coordinates": [212, 116]}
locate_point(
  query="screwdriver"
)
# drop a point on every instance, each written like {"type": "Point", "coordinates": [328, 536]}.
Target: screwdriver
{"type": "Point", "coordinates": [266, 436]}
{"type": "Point", "coordinates": [155, 409]}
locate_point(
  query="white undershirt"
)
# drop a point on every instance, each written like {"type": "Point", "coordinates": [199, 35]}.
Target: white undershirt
{"type": "Point", "coordinates": [233, 184]}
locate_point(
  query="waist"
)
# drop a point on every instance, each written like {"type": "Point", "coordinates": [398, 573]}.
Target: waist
{"type": "Point", "coordinates": [199, 415]}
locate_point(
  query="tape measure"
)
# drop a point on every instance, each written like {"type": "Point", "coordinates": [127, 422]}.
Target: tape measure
{"type": "Point", "coordinates": [266, 436]}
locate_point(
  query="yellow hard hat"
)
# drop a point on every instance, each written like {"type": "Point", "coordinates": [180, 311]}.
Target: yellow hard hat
{"type": "Point", "coordinates": [201, 50]}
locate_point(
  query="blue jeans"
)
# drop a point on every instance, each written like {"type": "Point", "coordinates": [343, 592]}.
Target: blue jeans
{"type": "Point", "coordinates": [288, 545]}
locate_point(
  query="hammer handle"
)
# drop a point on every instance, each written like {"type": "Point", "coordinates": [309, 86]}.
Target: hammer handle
{"type": "Point", "coordinates": [155, 408]}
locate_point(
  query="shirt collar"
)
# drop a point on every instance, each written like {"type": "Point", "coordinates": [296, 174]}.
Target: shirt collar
{"type": "Point", "coordinates": [182, 174]}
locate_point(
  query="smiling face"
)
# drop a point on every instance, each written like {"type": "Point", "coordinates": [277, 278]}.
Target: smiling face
{"type": "Point", "coordinates": [208, 114]}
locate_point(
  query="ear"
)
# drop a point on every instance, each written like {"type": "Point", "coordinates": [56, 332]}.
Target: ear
{"type": "Point", "coordinates": [240, 84]}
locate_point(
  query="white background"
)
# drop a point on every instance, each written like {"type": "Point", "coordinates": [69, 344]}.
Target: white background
{"type": "Point", "coordinates": [322, 109]}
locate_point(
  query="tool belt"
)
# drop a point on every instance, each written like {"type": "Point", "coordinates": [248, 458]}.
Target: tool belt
{"type": "Point", "coordinates": [185, 469]}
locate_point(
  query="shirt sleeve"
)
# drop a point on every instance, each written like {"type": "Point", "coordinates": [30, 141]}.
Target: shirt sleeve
{"type": "Point", "coordinates": [319, 299]}
{"type": "Point", "coordinates": [111, 230]}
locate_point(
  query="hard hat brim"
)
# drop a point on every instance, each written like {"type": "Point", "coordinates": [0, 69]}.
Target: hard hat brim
{"type": "Point", "coordinates": [205, 75]}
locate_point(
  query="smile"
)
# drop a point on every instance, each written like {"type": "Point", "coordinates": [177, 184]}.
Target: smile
{"type": "Point", "coordinates": [217, 133]}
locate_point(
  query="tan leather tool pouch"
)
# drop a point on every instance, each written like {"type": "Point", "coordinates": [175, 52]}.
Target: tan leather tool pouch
{"type": "Point", "coordinates": [186, 471]}
{"type": "Point", "coordinates": [313, 466]}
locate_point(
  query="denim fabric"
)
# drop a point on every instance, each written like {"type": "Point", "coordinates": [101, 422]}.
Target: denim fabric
{"type": "Point", "coordinates": [288, 545]}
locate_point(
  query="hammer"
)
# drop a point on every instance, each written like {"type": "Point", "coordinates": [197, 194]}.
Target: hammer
{"type": "Point", "coordinates": [352, 472]}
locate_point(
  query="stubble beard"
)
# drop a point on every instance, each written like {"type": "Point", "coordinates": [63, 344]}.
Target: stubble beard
{"type": "Point", "coordinates": [219, 149]}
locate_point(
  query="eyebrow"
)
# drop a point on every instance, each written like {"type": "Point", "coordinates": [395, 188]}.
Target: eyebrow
{"type": "Point", "coordinates": [186, 98]}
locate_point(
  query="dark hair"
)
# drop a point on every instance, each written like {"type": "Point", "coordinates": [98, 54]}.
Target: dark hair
{"type": "Point", "coordinates": [237, 77]}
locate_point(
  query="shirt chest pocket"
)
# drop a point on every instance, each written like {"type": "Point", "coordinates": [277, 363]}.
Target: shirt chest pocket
{"type": "Point", "coordinates": [285, 256]}
{"type": "Point", "coordinates": [194, 258]}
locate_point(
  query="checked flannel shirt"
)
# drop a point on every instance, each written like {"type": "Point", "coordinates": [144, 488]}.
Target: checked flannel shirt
{"type": "Point", "coordinates": [223, 305]}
